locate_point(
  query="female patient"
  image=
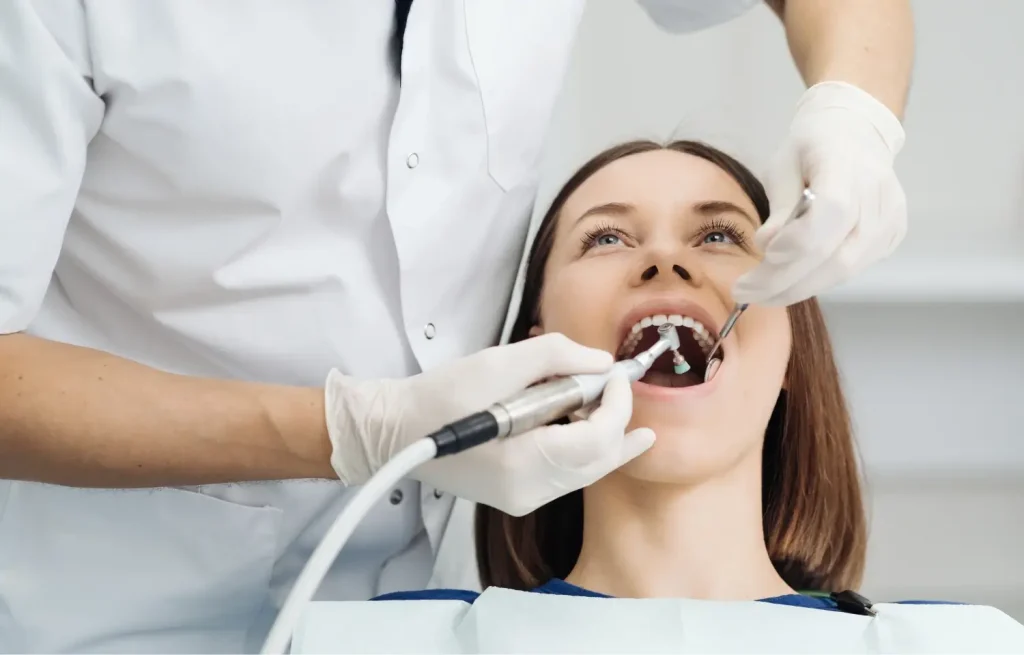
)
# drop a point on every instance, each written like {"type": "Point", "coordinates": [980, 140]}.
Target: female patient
{"type": "Point", "coordinates": [751, 490]}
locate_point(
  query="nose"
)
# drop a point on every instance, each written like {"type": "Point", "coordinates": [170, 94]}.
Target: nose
{"type": "Point", "coordinates": [652, 271]}
{"type": "Point", "coordinates": [669, 264]}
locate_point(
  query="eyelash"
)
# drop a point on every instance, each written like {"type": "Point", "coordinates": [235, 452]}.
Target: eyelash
{"type": "Point", "coordinates": [717, 224]}
{"type": "Point", "coordinates": [590, 237]}
{"type": "Point", "coordinates": [726, 227]}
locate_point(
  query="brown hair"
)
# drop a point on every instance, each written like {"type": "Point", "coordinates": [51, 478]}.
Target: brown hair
{"type": "Point", "coordinates": [813, 512]}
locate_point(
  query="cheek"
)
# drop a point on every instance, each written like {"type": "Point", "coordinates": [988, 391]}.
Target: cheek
{"type": "Point", "coordinates": [765, 344]}
{"type": "Point", "coordinates": [576, 302]}
{"type": "Point", "coordinates": [724, 268]}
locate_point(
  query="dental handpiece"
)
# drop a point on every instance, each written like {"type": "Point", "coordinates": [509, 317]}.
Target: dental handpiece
{"type": "Point", "coordinates": [546, 402]}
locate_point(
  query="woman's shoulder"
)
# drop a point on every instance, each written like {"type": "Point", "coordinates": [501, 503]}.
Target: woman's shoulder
{"type": "Point", "coordinates": [849, 602]}
{"type": "Point", "coordinates": [465, 595]}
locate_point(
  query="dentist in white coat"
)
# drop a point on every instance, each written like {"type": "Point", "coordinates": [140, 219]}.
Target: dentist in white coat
{"type": "Point", "coordinates": [209, 208]}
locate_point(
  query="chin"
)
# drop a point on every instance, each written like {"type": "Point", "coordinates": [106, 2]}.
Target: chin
{"type": "Point", "coordinates": [686, 457]}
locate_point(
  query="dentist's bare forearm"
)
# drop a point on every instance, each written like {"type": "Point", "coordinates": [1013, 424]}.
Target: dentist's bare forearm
{"type": "Point", "coordinates": [868, 43]}
{"type": "Point", "coordinates": [80, 417]}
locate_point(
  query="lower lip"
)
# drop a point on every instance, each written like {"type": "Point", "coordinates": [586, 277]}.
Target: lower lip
{"type": "Point", "coordinates": [655, 392]}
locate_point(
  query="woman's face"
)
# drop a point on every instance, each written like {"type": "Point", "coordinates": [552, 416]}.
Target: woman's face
{"type": "Point", "coordinates": [663, 235]}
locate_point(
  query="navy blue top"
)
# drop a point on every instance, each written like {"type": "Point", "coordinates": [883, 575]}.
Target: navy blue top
{"type": "Point", "coordinates": [559, 587]}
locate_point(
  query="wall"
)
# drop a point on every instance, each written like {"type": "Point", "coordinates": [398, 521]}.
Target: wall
{"type": "Point", "coordinates": [929, 342]}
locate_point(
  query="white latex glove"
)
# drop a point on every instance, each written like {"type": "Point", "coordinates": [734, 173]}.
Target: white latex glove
{"type": "Point", "coordinates": [842, 145]}
{"type": "Point", "coordinates": [370, 421]}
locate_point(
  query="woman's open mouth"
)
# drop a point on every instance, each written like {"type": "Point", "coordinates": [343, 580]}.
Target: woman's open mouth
{"type": "Point", "coordinates": [695, 342]}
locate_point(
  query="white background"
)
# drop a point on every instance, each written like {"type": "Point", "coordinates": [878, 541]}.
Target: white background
{"type": "Point", "coordinates": [929, 341]}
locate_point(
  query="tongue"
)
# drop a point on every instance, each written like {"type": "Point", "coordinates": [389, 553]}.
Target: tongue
{"type": "Point", "coordinates": [662, 379]}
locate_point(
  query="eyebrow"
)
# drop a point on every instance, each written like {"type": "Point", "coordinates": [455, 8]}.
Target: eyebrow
{"type": "Point", "coordinates": [708, 207]}
{"type": "Point", "coordinates": [724, 207]}
{"type": "Point", "coordinates": [613, 208]}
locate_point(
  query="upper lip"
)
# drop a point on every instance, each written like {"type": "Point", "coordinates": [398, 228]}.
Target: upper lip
{"type": "Point", "coordinates": [669, 306]}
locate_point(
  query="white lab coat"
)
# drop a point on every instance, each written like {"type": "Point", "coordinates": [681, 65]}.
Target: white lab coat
{"type": "Point", "coordinates": [242, 191]}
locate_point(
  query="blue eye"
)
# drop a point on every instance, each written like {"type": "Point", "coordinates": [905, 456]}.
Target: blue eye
{"type": "Point", "coordinates": [720, 232]}
{"type": "Point", "coordinates": [603, 235]}
{"type": "Point", "coordinates": [717, 237]}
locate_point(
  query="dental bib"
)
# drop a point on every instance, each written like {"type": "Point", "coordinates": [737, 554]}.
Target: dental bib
{"type": "Point", "coordinates": [506, 621]}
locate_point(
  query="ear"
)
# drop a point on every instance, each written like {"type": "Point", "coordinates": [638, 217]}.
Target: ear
{"type": "Point", "coordinates": [536, 331]}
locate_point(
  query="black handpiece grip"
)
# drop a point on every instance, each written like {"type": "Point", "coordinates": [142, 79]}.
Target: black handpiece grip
{"type": "Point", "coordinates": [465, 433]}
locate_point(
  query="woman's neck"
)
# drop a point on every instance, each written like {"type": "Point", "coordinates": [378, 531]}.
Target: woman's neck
{"type": "Point", "coordinates": [648, 540]}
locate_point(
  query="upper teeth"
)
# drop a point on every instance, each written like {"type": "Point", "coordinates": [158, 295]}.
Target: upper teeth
{"type": "Point", "coordinates": [700, 333]}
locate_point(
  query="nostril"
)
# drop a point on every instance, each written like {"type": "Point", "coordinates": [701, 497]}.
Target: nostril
{"type": "Point", "coordinates": [647, 275]}
{"type": "Point", "coordinates": [681, 272]}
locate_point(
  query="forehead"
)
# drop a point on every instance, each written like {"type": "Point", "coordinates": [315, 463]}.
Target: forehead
{"type": "Point", "coordinates": [660, 179]}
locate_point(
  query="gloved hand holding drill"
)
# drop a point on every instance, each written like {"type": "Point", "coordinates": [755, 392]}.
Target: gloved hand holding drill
{"type": "Point", "coordinates": [370, 421]}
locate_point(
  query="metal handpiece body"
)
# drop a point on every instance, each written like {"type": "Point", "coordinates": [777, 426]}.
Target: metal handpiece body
{"type": "Point", "coordinates": [547, 402]}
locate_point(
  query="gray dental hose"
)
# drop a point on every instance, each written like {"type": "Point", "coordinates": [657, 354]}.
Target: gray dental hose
{"type": "Point", "coordinates": [531, 408]}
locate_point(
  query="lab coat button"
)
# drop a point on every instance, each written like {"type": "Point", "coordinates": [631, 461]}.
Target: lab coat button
{"type": "Point", "coordinates": [396, 496]}
{"type": "Point", "coordinates": [429, 331]}
{"type": "Point", "coordinates": [413, 160]}
{"type": "Point", "coordinates": [438, 493]}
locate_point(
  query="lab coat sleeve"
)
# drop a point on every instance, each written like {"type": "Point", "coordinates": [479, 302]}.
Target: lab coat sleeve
{"type": "Point", "coordinates": [679, 16]}
{"type": "Point", "coordinates": [48, 115]}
